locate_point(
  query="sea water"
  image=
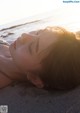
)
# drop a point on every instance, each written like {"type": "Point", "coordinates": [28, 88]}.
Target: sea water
{"type": "Point", "coordinates": [67, 19]}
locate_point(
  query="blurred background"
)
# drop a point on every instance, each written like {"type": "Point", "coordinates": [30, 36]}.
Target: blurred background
{"type": "Point", "coordinates": [55, 11]}
{"type": "Point", "coordinates": [11, 10]}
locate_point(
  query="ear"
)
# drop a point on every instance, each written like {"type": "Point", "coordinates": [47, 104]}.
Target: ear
{"type": "Point", "coordinates": [35, 79]}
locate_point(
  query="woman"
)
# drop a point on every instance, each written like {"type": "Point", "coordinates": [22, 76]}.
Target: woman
{"type": "Point", "coordinates": [48, 58]}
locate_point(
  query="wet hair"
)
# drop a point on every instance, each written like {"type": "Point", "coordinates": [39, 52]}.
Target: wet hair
{"type": "Point", "coordinates": [61, 67]}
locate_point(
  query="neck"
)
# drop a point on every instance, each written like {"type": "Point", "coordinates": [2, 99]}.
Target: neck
{"type": "Point", "coordinates": [12, 66]}
{"type": "Point", "coordinates": [9, 67]}
{"type": "Point", "coordinates": [17, 73]}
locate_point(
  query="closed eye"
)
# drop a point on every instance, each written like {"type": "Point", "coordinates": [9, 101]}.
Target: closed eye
{"type": "Point", "coordinates": [32, 47]}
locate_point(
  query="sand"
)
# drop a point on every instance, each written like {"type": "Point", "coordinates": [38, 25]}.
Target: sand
{"type": "Point", "coordinates": [20, 99]}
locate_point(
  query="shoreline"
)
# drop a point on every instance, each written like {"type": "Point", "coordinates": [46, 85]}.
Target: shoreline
{"type": "Point", "coordinates": [18, 25]}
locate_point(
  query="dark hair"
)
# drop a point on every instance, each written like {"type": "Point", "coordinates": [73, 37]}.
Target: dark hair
{"type": "Point", "coordinates": [61, 67]}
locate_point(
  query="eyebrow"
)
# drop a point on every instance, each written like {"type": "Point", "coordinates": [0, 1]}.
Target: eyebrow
{"type": "Point", "coordinates": [37, 46]}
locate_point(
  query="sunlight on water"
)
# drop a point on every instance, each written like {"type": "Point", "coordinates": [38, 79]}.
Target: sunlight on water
{"type": "Point", "coordinates": [67, 16]}
{"type": "Point", "coordinates": [12, 10]}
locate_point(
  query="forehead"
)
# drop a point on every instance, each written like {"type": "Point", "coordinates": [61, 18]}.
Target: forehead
{"type": "Point", "coordinates": [50, 34]}
{"type": "Point", "coordinates": [47, 37]}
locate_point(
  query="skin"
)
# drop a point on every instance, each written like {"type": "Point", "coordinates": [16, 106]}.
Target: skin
{"type": "Point", "coordinates": [28, 60]}
{"type": "Point", "coordinates": [20, 61]}
{"type": "Point", "coordinates": [21, 54]}
{"type": "Point", "coordinates": [7, 67]}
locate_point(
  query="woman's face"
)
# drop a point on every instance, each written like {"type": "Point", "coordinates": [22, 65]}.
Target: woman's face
{"type": "Point", "coordinates": [26, 48]}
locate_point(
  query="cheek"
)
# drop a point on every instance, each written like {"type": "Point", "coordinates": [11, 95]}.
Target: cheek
{"type": "Point", "coordinates": [18, 57]}
{"type": "Point", "coordinates": [24, 61]}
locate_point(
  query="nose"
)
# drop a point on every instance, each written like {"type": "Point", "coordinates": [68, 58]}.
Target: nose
{"type": "Point", "coordinates": [25, 38]}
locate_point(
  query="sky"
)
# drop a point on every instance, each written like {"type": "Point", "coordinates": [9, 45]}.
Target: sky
{"type": "Point", "coordinates": [11, 10]}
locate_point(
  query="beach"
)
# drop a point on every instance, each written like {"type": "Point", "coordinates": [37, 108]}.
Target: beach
{"type": "Point", "coordinates": [22, 99]}
{"type": "Point", "coordinates": [67, 18]}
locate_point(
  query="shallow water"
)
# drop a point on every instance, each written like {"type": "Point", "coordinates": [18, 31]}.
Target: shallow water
{"type": "Point", "coordinates": [66, 19]}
